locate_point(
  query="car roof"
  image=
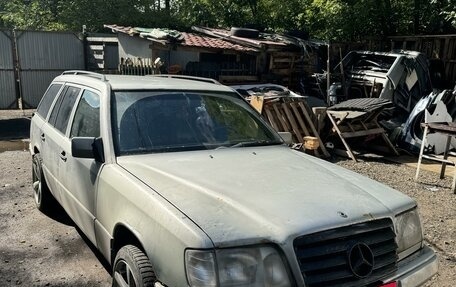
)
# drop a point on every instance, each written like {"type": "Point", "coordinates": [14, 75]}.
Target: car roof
{"type": "Point", "coordinates": [124, 82]}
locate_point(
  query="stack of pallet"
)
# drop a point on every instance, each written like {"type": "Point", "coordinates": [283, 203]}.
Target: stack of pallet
{"type": "Point", "coordinates": [292, 114]}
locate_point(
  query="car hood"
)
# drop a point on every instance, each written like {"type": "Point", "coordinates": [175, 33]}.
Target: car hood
{"type": "Point", "coordinates": [240, 196]}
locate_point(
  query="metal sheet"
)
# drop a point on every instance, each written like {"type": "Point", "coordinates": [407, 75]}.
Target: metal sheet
{"type": "Point", "coordinates": [6, 50]}
{"type": "Point", "coordinates": [34, 84]}
{"type": "Point", "coordinates": [49, 50]}
{"type": "Point", "coordinates": [42, 57]}
{"type": "Point", "coordinates": [7, 90]}
{"type": "Point", "coordinates": [7, 84]}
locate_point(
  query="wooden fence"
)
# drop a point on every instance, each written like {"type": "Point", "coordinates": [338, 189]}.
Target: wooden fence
{"type": "Point", "coordinates": [138, 67]}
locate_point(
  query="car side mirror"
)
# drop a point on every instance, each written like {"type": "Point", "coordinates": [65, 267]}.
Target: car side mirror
{"type": "Point", "coordinates": [287, 137]}
{"type": "Point", "coordinates": [87, 147]}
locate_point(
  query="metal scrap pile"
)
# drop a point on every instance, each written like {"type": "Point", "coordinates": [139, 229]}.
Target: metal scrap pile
{"type": "Point", "coordinates": [438, 106]}
{"type": "Point", "coordinates": [401, 77]}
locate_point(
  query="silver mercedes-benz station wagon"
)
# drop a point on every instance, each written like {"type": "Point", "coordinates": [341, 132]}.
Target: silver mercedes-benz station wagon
{"type": "Point", "coordinates": [178, 181]}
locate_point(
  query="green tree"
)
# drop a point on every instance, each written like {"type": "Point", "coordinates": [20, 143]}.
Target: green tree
{"type": "Point", "coordinates": [447, 9]}
{"type": "Point", "coordinates": [334, 20]}
{"type": "Point", "coordinates": [35, 15]}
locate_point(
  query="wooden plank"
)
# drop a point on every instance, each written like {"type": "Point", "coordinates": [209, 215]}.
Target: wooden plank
{"type": "Point", "coordinates": [271, 119]}
{"type": "Point", "coordinates": [312, 127]}
{"type": "Point", "coordinates": [355, 134]}
{"type": "Point", "coordinates": [347, 147]}
{"type": "Point", "coordinates": [437, 159]}
{"type": "Point", "coordinates": [292, 121]}
{"type": "Point", "coordinates": [386, 138]}
{"type": "Point", "coordinates": [445, 157]}
{"type": "Point", "coordinates": [257, 102]}
{"type": "Point", "coordinates": [301, 122]}
{"type": "Point", "coordinates": [294, 107]}
{"type": "Point", "coordinates": [279, 114]}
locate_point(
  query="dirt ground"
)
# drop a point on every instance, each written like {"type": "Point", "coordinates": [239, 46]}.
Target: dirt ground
{"type": "Point", "coordinates": [437, 206]}
{"type": "Point", "coordinates": [36, 250]}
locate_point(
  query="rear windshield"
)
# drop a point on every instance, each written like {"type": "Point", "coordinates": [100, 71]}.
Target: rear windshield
{"type": "Point", "coordinates": [151, 121]}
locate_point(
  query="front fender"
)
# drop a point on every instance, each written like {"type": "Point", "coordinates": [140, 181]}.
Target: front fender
{"type": "Point", "coordinates": [163, 230]}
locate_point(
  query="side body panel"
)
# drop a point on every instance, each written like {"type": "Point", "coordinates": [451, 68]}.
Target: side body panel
{"type": "Point", "coordinates": [163, 230]}
{"type": "Point", "coordinates": [51, 159]}
{"type": "Point", "coordinates": [78, 178]}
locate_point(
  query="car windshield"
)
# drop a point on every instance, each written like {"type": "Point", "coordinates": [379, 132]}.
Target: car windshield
{"type": "Point", "coordinates": [158, 121]}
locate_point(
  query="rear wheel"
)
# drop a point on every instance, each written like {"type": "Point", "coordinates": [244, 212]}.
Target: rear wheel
{"type": "Point", "coordinates": [44, 200]}
{"type": "Point", "coordinates": [132, 268]}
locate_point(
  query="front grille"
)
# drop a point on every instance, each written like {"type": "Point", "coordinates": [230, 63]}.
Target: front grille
{"type": "Point", "coordinates": [323, 256]}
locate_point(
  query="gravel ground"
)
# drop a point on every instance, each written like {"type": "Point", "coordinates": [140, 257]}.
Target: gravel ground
{"type": "Point", "coordinates": [36, 250]}
{"type": "Point", "coordinates": [437, 206]}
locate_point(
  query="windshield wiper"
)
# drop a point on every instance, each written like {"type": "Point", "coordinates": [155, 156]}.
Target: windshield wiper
{"type": "Point", "coordinates": [254, 143]}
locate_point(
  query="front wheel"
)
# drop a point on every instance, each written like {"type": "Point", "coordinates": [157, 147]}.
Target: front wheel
{"type": "Point", "coordinates": [132, 268]}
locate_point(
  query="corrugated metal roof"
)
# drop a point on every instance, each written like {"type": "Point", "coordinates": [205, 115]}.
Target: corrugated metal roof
{"type": "Point", "coordinates": [263, 39]}
{"type": "Point", "coordinates": [195, 40]}
{"type": "Point", "coordinates": [190, 40]}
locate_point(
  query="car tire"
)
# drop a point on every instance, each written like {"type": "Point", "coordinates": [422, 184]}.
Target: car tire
{"type": "Point", "coordinates": [132, 268]}
{"type": "Point", "coordinates": [44, 200]}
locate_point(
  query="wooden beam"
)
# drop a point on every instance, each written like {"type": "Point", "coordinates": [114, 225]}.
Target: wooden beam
{"type": "Point", "coordinates": [282, 121]}
{"type": "Point", "coordinates": [271, 119]}
{"type": "Point", "coordinates": [292, 121]}
{"type": "Point", "coordinates": [312, 127]}
{"type": "Point", "coordinates": [362, 133]}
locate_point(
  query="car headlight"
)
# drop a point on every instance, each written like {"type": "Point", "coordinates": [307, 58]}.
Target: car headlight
{"type": "Point", "coordinates": [250, 266]}
{"type": "Point", "coordinates": [409, 234]}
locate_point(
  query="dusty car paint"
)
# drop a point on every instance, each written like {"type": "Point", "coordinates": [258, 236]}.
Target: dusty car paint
{"type": "Point", "coordinates": [231, 185]}
{"type": "Point", "coordinates": [226, 197]}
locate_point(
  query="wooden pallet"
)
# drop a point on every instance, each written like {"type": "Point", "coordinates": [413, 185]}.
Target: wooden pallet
{"type": "Point", "coordinates": [294, 117]}
{"type": "Point", "coordinates": [352, 124]}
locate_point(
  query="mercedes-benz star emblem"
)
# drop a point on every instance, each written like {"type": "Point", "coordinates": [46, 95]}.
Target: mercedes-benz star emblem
{"type": "Point", "coordinates": [360, 260]}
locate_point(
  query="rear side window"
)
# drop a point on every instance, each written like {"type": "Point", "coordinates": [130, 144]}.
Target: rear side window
{"type": "Point", "coordinates": [48, 98]}
{"type": "Point", "coordinates": [86, 121]}
{"type": "Point", "coordinates": [61, 112]}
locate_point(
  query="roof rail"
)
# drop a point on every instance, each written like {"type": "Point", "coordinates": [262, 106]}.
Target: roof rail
{"type": "Point", "coordinates": [184, 77]}
{"type": "Point", "coordinates": [85, 73]}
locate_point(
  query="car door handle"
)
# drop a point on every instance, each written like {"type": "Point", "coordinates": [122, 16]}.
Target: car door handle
{"type": "Point", "coordinates": [63, 156]}
{"type": "Point", "coordinates": [43, 137]}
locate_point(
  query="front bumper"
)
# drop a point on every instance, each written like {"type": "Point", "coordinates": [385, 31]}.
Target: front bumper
{"type": "Point", "coordinates": [416, 269]}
